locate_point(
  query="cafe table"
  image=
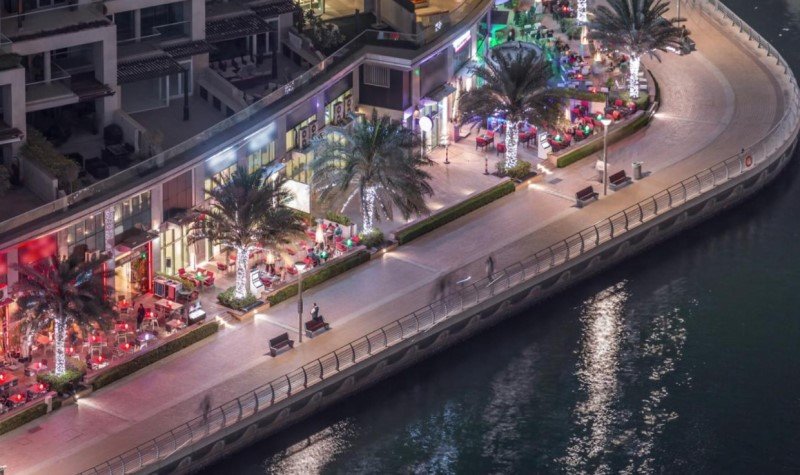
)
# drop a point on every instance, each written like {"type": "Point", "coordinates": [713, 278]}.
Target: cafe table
{"type": "Point", "coordinates": [17, 399]}
{"type": "Point", "coordinates": [35, 368]}
{"type": "Point", "coordinates": [37, 388]}
{"type": "Point", "coordinates": [175, 324]}
{"type": "Point", "coordinates": [167, 307]}
{"type": "Point", "coordinates": [7, 380]}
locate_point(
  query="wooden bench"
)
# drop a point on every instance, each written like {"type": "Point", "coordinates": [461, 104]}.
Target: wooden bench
{"type": "Point", "coordinates": [279, 343]}
{"type": "Point", "coordinates": [585, 196]}
{"type": "Point", "coordinates": [618, 180]}
{"type": "Point", "coordinates": [316, 326]}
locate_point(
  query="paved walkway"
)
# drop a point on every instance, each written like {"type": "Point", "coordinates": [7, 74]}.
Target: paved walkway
{"type": "Point", "coordinates": [714, 101]}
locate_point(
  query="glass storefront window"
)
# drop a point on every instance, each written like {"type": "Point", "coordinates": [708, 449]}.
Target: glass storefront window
{"type": "Point", "coordinates": [88, 234]}
{"type": "Point", "coordinates": [224, 175]}
{"type": "Point", "coordinates": [261, 157]}
{"type": "Point", "coordinates": [132, 212]}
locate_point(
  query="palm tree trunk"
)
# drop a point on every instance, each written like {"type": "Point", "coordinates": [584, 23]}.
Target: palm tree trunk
{"type": "Point", "coordinates": [60, 351]}
{"type": "Point", "coordinates": [633, 76]}
{"type": "Point", "coordinates": [368, 208]}
{"type": "Point", "coordinates": [241, 273]}
{"type": "Point", "coordinates": [512, 140]}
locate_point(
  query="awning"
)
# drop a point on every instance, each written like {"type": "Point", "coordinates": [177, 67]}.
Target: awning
{"type": "Point", "coordinates": [441, 92]}
{"type": "Point", "coordinates": [230, 28]}
{"type": "Point", "coordinates": [132, 238]}
{"type": "Point", "coordinates": [188, 48]}
{"type": "Point", "coordinates": [147, 68]}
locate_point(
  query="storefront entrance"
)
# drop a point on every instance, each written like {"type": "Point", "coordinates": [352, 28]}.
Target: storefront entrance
{"type": "Point", "coordinates": [133, 274]}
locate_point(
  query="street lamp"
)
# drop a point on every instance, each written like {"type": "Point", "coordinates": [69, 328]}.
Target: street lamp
{"type": "Point", "coordinates": [606, 122]}
{"type": "Point", "coordinates": [301, 266]}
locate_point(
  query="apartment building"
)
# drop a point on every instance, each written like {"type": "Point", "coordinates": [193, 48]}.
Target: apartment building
{"type": "Point", "coordinates": [262, 90]}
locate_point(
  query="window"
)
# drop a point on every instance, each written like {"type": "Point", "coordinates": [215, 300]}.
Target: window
{"type": "Point", "coordinates": [132, 212]}
{"type": "Point", "coordinates": [376, 75]}
{"type": "Point", "coordinates": [223, 175]}
{"type": "Point", "coordinates": [160, 15]}
{"type": "Point", "coordinates": [261, 158]}
{"type": "Point", "coordinates": [125, 27]}
{"type": "Point", "coordinates": [87, 235]}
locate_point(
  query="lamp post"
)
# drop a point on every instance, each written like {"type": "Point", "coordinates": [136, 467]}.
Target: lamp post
{"type": "Point", "coordinates": [606, 123]}
{"type": "Point", "coordinates": [301, 266]}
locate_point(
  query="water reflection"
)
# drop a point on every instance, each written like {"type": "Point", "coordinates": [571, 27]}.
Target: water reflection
{"type": "Point", "coordinates": [602, 324]}
{"type": "Point", "coordinates": [311, 454]}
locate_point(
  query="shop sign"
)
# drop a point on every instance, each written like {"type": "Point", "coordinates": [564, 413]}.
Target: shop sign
{"type": "Point", "coordinates": [461, 41]}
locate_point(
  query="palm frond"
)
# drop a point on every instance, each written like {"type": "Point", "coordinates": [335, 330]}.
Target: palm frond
{"type": "Point", "coordinates": [636, 27]}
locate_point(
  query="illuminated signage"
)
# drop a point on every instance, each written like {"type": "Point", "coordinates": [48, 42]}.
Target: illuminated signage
{"type": "Point", "coordinates": [461, 41]}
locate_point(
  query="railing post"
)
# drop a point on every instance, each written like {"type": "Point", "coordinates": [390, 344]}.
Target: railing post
{"type": "Point", "coordinates": [597, 234]}
{"type": "Point", "coordinates": [566, 255]}
{"type": "Point", "coordinates": [256, 407]}
{"type": "Point", "coordinates": [272, 394]}
{"type": "Point", "coordinates": [337, 360]}
{"type": "Point", "coordinates": [289, 382]}
{"type": "Point", "coordinates": [321, 370]}
{"type": "Point", "coordinates": [583, 247]}
{"type": "Point", "coordinates": [369, 346]}
{"type": "Point", "coordinates": [385, 339]}
{"type": "Point", "coordinates": [641, 213]}
{"type": "Point", "coordinates": [239, 402]}
{"type": "Point", "coordinates": [626, 219]}
{"type": "Point", "coordinates": [305, 377]}
{"type": "Point", "coordinates": [552, 257]}
{"type": "Point", "coordinates": [353, 350]}
{"type": "Point", "coordinates": [139, 453]}
{"type": "Point", "coordinates": [174, 442]}
{"type": "Point", "coordinates": [224, 418]}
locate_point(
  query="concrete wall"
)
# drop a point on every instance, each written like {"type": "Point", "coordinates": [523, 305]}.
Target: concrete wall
{"type": "Point", "coordinates": [38, 180]}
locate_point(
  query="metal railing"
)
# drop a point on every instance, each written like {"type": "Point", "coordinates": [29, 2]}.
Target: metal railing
{"type": "Point", "coordinates": [416, 323]}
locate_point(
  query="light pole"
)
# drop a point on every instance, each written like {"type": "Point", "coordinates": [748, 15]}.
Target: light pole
{"type": "Point", "coordinates": [301, 266]}
{"type": "Point", "coordinates": [606, 123]}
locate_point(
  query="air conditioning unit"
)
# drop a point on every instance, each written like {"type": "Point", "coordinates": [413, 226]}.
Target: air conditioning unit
{"type": "Point", "coordinates": [304, 138]}
{"type": "Point", "coordinates": [89, 256]}
{"type": "Point", "coordinates": [338, 112]}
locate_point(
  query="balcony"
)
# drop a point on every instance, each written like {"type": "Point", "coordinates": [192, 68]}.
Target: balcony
{"type": "Point", "coordinates": [45, 22]}
{"type": "Point", "coordinates": [163, 36]}
{"type": "Point", "coordinates": [41, 93]}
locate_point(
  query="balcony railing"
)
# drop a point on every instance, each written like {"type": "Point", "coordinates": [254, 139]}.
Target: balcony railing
{"type": "Point", "coordinates": [50, 21]}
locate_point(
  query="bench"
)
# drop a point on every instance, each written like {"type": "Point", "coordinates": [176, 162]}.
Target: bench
{"type": "Point", "coordinates": [316, 326]}
{"type": "Point", "coordinates": [618, 180]}
{"type": "Point", "coordinates": [279, 343]}
{"type": "Point", "coordinates": [585, 196]}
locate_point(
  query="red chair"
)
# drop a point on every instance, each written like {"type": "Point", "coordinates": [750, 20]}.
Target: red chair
{"type": "Point", "coordinates": [501, 148]}
{"type": "Point", "coordinates": [221, 266]}
{"type": "Point", "coordinates": [618, 103]}
{"type": "Point", "coordinates": [616, 115]}
{"type": "Point", "coordinates": [181, 271]}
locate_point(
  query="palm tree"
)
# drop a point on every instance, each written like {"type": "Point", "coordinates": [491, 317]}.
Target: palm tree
{"type": "Point", "coordinates": [635, 27]}
{"type": "Point", "coordinates": [380, 161]}
{"type": "Point", "coordinates": [246, 212]}
{"type": "Point", "coordinates": [62, 292]}
{"type": "Point", "coordinates": [515, 85]}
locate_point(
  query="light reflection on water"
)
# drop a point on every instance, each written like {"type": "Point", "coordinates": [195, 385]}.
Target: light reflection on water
{"type": "Point", "coordinates": [602, 325]}
{"type": "Point", "coordinates": [311, 454]}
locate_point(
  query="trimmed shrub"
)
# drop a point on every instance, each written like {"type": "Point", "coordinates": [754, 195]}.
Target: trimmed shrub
{"type": "Point", "coordinates": [338, 218]}
{"type": "Point", "coordinates": [613, 137]}
{"type": "Point", "coordinates": [518, 172]}
{"type": "Point", "coordinates": [372, 239]}
{"type": "Point", "coordinates": [227, 299]}
{"type": "Point", "coordinates": [320, 275]}
{"type": "Point", "coordinates": [157, 353]}
{"type": "Point", "coordinates": [38, 149]}
{"type": "Point", "coordinates": [23, 417]}
{"type": "Point", "coordinates": [61, 384]}
{"type": "Point", "coordinates": [580, 95]}
{"type": "Point", "coordinates": [440, 218]}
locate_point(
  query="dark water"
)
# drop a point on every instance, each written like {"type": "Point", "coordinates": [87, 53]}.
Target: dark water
{"type": "Point", "coordinates": [683, 360]}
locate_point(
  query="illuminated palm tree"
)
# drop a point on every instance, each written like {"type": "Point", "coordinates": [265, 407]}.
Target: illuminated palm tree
{"type": "Point", "coordinates": [62, 293]}
{"type": "Point", "coordinates": [635, 27]}
{"type": "Point", "coordinates": [247, 212]}
{"type": "Point", "coordinates": [514, 84]}
{"type": "Point", "coordinates": [379, 161]}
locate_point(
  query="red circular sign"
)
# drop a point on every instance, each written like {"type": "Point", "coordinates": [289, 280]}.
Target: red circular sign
{"type": "Point", "coordinates": [748, 161]}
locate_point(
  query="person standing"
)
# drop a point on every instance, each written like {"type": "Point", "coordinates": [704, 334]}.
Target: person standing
{"type": "Point", "coordinates": [140, 313]}
{"type": "Point", "coordinates": [315, 312]}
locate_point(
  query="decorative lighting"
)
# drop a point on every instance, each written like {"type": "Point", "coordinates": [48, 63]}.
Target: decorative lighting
{"type": "Point", "coordinates": [319, 237]}
{"type": "Point", "coordinates": [633, 76]}
{"type": "Point", "coordinates": [582, 10]}
{"type": "Point", "coordinates": [512, 142]}
{"type": "Point", "coordinates": [60, 336]}
{"type": "Point", "coordinates": [368, 207]}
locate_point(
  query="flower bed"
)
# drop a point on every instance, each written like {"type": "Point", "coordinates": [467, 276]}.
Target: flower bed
{"type": "Point", "coordinates": [104, 378]}
{"type": "Point", "coordinates": [442, 217]}
{"type": "Point", "coordinates": [320, 275]}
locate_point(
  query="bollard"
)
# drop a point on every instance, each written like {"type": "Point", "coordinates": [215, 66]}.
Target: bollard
{"type": "Point", "coordinates": [637, 170]}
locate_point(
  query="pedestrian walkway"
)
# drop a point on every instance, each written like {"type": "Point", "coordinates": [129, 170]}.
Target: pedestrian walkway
{"type": "Point", "coordinates": [734, 99]}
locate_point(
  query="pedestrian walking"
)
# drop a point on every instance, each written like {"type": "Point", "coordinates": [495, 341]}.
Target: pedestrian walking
{"type": "Point", "coordinates": [205, 407]}
{"type": "Point", "coordinates": [490, 267]}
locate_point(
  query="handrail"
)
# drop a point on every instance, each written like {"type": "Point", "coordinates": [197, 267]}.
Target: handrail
{"type": "Point", "coordinates": [415, 323]}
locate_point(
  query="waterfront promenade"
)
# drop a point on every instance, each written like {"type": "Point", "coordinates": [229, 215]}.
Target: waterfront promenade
{"type": "Point", "coordinates": [714, 102]}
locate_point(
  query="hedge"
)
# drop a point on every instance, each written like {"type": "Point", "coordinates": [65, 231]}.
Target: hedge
{"type": "Point", "coordinates": [440, 218]}
{"type": "Point", "coordinates": [613, 137]}
{"type": "Point", "coordinates": [157, 353]}
{"type": "Point", "coordinates": [23, 417]}
{"type": "Point", "coordinates": [579, 95]}
{"type": "Point", "coordinates": [328, 271]}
